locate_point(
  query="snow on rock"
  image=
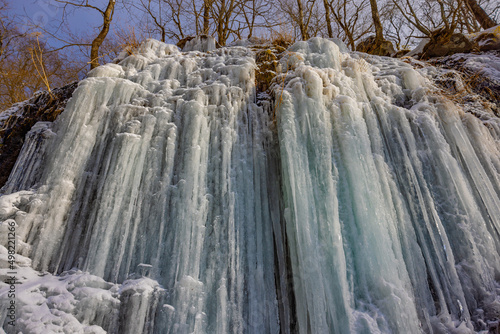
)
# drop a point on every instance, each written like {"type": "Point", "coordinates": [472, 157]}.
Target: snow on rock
{"type": "Point", "coordinates": [488, 39]}
{"type": "Point", "coordinates": [75, 302]}
{"type": "Point", "coordinates": [419, 49]}
{"type": "Point", "coordinates": [471, 80]}
{"type": "Point", "coordinates": [484, 40]}
{"type": "Point", "coordinates": [9, 203]}
{"type": "Point", "coordinates": [16, 109]}
{"type": "Point", "coordinates": [483, 66]}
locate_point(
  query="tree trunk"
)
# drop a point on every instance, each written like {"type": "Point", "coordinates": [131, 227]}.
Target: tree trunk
{"type": "Point", "coordinates": [207, 4]}
{"type": "Point", "coordinates": [97, 42]}
{"type": "Point", "coordinates": [252, 22]}
{"type": "Point", "coordinates": [219, 23]}
{"type": "Point", "coordinates": [352, 42]}
{"type": "Point", "coordinates": [484, 20]}
{"type": "Point", "coordinates": [379, 32]}
{"type": "Point", "coordinates": [302, 26]}
{"type": "Point", "coordinates": [163, 34]}
{"type": "Point", "coordinates": [328, 20]}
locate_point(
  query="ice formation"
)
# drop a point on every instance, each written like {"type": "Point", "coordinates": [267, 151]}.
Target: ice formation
{"type": "Point", "coordinates": [168, 198]}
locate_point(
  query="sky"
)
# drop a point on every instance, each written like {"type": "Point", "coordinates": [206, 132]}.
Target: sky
{"type": "Point", "coordinates": [48, 14]}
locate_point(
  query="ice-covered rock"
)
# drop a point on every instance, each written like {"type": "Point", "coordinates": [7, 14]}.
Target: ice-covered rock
{"type": "Point", "coordinates": [17, 121]}
{"type": "Point", "coordinates": [349, 198]}
{"type": "Point", "coordinates": [161, 160]}
{"type": "Point", "coordinates": [383, 186]}
{"type": "Point", "coordinates": [202, 43]}
{"type": "Point", "coordinates": [488, 39]}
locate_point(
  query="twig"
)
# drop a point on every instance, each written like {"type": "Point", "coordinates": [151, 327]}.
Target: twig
{"type": "Point", "coordinates": [36, 52]}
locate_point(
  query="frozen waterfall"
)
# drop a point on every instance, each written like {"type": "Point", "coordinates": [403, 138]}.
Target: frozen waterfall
{"type": "Point", "coordinates": [170, 197]}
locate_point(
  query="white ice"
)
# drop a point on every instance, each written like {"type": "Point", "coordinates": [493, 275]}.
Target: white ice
{"type": "Point", "coordinates": [159, 163]}
{"type": "Point", "coordinates": [391, 195]}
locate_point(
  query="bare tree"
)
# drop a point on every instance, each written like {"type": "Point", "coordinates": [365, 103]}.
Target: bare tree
{"type": "Point", "coordinates": [326, 5]}
{"type": "Point", "coordinates": [154, 10]}
{"type": "Point", "coordinates": [379, 30]}
{"type": "Point", "coordinates": [305, 16]}
{"type": "Point", "coordinates": [257, 14]}
{"type": "Point", "coordinates": [301, 21]}
{"type": "Point", "coordinates": [177, 19]}
{"type": "Point", "coordinates": [107, 16]}
{"type": "Point", "coordinates": [479, 13]}
{"type": "Point", "coordinates": [444, 16]}
{"type": "Point", "coordinates": [397, 30]}
{"type": "Point", "coordinates": [424, 22]}
{"type": "Point", "coordinates": [26, 66]}
{"type": "Point", "coordinates": [207, 7]}
{"type": "Point", "coordinates": [351, 19]}
{"type": "Point", "coordinates": [8, 31]}
{"type": "Point", "coordinates": [223, 13]}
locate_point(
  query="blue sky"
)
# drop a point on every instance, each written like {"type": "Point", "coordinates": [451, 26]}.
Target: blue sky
{"type": "Point", "coordinates": [81, 22]}
{"type": "Point", "coordinates": [48, 14]}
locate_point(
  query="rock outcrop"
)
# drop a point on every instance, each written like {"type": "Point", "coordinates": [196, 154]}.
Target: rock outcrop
{"type": "Point", "coordinates": [17, 121]}
{"type": "Point", "coordinates": [443, 44]}
{"type": "Point", "coordinates": [368, 45]}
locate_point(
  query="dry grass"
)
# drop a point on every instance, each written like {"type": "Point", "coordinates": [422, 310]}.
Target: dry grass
{"type": "Point", "coordinates": [38, 62]}
{"type": "Point", "coordinates": [128, 39]}
{"type": "Point", "coordinates": [269, 72]}
{"type": "Point", "coordinates": [467, 87]}
{"type": "Point", "coordinates": [282, 38]}
{"type": "Point", "coordinates": [280, 98]}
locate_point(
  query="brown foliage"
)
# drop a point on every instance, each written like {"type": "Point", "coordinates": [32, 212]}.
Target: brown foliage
{"type": "Point", "coordinates": [27, 67]}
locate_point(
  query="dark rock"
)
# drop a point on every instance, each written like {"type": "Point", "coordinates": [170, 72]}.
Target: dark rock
{"type": "Point", "coordinates": [183, 41]}
{"type": "Point", "coordinates": [401, 53]}
{"type": "Point", "coordinates": [368, 45]}
{"type": "Point", "coordinates": [267, 67]}
{"type": "Point", "coordinates": [443, 44]}
{"type": "Point", "coordinates": [44, 106]}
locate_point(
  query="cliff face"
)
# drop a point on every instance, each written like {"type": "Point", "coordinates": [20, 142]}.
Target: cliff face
{"type": "Point", "coordinates": [17, 121]}
{"type": "Point", "coordinates": [246, 190]}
